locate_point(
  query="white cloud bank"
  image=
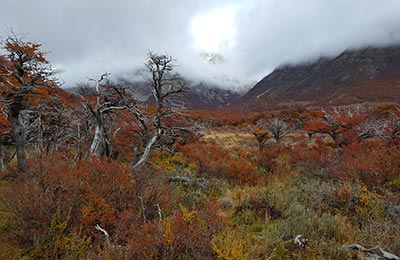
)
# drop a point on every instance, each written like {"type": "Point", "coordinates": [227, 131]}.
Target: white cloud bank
{"type": "Point", "coordinates": [89, 37]}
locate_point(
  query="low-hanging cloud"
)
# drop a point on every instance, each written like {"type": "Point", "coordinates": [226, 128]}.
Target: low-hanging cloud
{"type": "Point", "coordinates": [87, 38]}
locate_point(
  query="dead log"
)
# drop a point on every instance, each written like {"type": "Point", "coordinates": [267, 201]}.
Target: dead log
{"type": "Point", "coordinates": [107, 236]}
{"type": "Point", "coordinates": [372, 253]}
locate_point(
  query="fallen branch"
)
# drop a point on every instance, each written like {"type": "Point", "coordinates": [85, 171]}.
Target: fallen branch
{"type": "Point", "coordinates": [378, 252]}
{"type": "Point", "coordinates": [108, 242]}
{"type": "Point", "coordinates": [159, 211]}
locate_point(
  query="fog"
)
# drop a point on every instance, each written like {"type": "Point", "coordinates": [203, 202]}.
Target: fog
{"type": "Point", "coordinates": [87, 38]}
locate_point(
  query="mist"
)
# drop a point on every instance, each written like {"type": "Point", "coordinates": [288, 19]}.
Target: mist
{"type": "Point", "coordinates": [87, 38]}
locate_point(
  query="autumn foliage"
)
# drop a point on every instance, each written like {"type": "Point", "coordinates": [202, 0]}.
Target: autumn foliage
{"type": "Point", "coordinates": [60, 202]}
{"type": "Point", "coordinates": [214, 160]}
{"type": "Point", "coordinates": [213, 185]}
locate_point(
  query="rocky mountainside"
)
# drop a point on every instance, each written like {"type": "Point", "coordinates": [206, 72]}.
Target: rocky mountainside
{"type": "Point", "coordinates": [201, 96]}
{"type": "Point", "coordinates": [197, 96]}
{"type": "Point", "coordinates": [369, 74]}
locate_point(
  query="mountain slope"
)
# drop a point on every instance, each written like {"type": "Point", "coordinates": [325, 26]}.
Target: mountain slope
{"type": "Point", "coordinates": [196, 96]}
{"type": "Point", "coordinates": [370, 74]}
{"type": "Point", "coordinates": [201, 96]}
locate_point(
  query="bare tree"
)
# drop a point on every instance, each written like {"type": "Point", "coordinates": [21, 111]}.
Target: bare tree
{"type": "Point", "coordinates": [393, 127]}
{"type": "Point", "coordinates": [153, 128]}
{"type": "Point", "coordinates": [165, 85]}
{"type": "Point", "coordinates": [387, 128]}
{"type": "Point", "coordinates": [372, 128]}
{"type": "Point", "coordinates": [109, 99]}
{"type": "Point", "coordinates": [276, 127]}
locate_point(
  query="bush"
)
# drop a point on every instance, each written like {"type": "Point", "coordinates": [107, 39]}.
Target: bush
{"type": "Point", "coordinates": [217, 161]}
{"type": "Point", "coordinates": [52, 213]}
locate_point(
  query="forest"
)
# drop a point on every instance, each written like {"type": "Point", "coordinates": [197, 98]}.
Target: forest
{"type": "Point", "coordinates": [95, 173]}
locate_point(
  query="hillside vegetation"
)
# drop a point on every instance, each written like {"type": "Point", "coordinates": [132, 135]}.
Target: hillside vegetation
{"type": "Point", "coordinates": [233, 201]}
{"type": "Point", "coordinates": [100, 175]}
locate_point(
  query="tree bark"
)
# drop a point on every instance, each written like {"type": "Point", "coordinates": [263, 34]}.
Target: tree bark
{"type": "Point", "coordinates": [98, 146]}
{"type": "Point", "coordinates": [2, 164]}
{"type": "Point", "coordinates": [19, 135]}
{"type": "Point", "coordinates": [146, 154]}
{"type": "Point", "coordinates": [106, 234]}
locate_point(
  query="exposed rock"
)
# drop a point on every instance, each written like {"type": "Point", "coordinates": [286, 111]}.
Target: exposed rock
{"type": "Point", "coordinates": [300, 241]}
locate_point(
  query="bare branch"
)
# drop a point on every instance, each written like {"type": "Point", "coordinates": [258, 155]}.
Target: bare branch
{"type": "Point", "coordinates": [107, 236]}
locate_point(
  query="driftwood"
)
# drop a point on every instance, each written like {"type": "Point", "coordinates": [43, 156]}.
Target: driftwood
{"type": "Point", "coordinates": [375, 253]}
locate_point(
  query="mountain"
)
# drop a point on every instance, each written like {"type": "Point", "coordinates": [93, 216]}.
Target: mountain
{"type": "Point", "coordinates": [196, 95]}
{"type": "Point", "coordinates": [369, 74]}
{"type": "Point", "coordinates": [212, 57]}
{"type": "Point", "coordinates": [202, 96]}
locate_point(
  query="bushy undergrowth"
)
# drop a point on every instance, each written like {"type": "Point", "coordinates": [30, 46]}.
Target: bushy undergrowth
{"type": "Point", "coordinates": [218, 161]}
{"type": "Point", "coordinates": [250, 204]}
{"type": "Point", "coordinates": [52, 213]}
{"type": "Point", "coordinates": [293, 204]}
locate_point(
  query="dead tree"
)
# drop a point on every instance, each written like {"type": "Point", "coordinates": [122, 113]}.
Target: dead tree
{"type": "Point", "coordinates": [109, 98]}
{"type": "Point", "coordinates": [165, 85]}
{"type": "Point", "coordinates": [372, 253]}
{"type": "Point", "coordinates": [277, 128]}
{"type": "Point", "coordinates": [99, 143]}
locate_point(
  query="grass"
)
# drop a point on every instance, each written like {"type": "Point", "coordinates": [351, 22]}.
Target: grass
{"type": "Point", "coordinates": [306, 205]}
{"type": "Point", "coordinates": [230, 139]}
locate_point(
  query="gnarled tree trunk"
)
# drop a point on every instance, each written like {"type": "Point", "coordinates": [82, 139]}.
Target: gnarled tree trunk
{"type": "Point", "coordinates": [146, 154]}
{"type": "Point", "coordinates": [19, 134]}
{"type": "Point", "coordinates": [98, 146]}
{"type": "Point", "coordinates": [2, 164]}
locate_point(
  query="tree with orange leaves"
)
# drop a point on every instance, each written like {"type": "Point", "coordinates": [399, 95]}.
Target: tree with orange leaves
{"type": "Point", "coordinates": [261, 135]}
{"type": "Point", "coordinates": [24, 73]}
{"type": "Point", "coordinates": [339, 124]}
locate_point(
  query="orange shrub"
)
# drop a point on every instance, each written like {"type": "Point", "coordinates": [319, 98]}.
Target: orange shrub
{"type": "Point", "coordinates": [314, 159]}
{"type": "Point", "coordinates": [272, 159]}
{"type": "Point", "coordinates": [218, 161]}
{"type": "Point", "coordinates": [59, 203]}
{"type": "Point", "coordinates": [373, 162]}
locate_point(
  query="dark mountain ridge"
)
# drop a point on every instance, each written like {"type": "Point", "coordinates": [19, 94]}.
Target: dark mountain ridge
{"type": "Point", "coordinates": [196, 95]}
{"type": "Point", "coordinates": [369, 74]}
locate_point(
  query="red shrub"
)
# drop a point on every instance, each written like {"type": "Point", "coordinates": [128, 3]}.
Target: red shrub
{"type": "Point", "coordinates": [63, 201]}
{"type": "Point", "coordinates": [373, 162]}
{"type": "Point", "coordinates": [273, 158]}
{"type": "Point", "coordinates": [218, 161]}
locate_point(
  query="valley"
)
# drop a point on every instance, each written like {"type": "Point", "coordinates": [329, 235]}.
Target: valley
{"type": "Point", "coordinates": [169, 160]}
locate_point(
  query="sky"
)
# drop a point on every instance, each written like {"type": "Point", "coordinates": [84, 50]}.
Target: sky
{"type": "Point", "coordinates": [86, 38]}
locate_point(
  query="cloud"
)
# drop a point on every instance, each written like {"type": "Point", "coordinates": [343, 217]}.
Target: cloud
{"type": "Point", "coordinates": [89, 37]}
{"type": "Point", "coordinates": [281, 31]}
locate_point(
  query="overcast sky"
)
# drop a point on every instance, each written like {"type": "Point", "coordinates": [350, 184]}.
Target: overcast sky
{"type": "Point", "coordinates": [89, 37]}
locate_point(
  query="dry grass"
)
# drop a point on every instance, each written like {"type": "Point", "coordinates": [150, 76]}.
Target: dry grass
{"type": "Point", "coordinates": [230, 139]}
